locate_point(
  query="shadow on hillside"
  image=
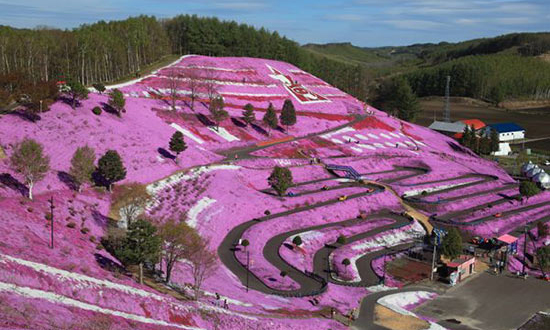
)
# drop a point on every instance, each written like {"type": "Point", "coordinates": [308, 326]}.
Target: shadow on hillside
{"type": "Point", "coordinates": [9, 181]}
{"type": "Point", "coordinates": [109, 264]}
{"type": "Point", "coordinates": [205, 120]}
{"type": "Point", "coordinates": [459, 148]}
{"type": "Point", "coordinates": [67, 179]}
{"type": "Point", "coordinates": [32, 117]}
{"type": "Point", "coordinates": [237, 122]}
{"type": "Point", "coordinates": [165, 153]}
{"type": "Point", "coordinates": [69, 102]}
{"type": "Point", "coordinates": [100, 219]}
{"type": "Point", "coordinates": [109, 109]}
{"type": "Point", "coordinates": [259, 129]}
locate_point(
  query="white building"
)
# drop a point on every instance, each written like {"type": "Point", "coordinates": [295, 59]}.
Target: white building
{"type": "Point", "coordinates": [506, 131]}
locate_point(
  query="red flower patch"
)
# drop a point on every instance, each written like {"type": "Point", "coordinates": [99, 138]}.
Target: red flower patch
{"type": "Point", "coordinates": [373, 122]}
{"type": "Point", "coordinates": [181, 319]}
{"type": "Point", "coordinates": [407, 127]}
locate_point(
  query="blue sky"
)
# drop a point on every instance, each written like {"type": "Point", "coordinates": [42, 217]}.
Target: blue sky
{"type": "Point", "coordinates": [362, 22]}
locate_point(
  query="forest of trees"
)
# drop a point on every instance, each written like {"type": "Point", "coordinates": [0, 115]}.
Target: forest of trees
{"type": "Point", "coordinates": [107, 51]}
{"type": "Point", "coordinates": [487, 77]}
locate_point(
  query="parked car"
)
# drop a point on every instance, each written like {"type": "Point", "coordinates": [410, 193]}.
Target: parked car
{"type": "Point", "coordinates": [497, 215]}
{"type": "Point", "coordinates": [291, 194]}
{"type": "Point", "coordinates": [369, 190]}
{"type": "Point", "coordinates": [342, 198]}
{"type": "Point", "coordinates": [324, 188]}
{"type": "Point", "coordinates": [547, 162]}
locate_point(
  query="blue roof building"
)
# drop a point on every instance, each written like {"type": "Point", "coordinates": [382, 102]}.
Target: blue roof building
{"type": "Point", "coordinates": [507, 131]}
{"type": "Point", "coordinates": [507, 127]}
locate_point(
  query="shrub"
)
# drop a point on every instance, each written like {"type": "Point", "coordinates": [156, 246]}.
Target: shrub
{"type": "Point", "coordinates": [341, 239]}
{"type": "Point", "coordinates": [71, 225]}
{"type": "Point", "coordinates": [30, 209]}
{"type": "Point", "coordinates": [297, 240]}
{"type": "Point", "coordinates": [267, 212]}
{"type": "Point", "coordinates": [346, 262]}
{"type": "Point", "coordinates": [284, 273]}
{"type": "Point", "coordinates": [97, 111]}
{"type": "Point", "coordinates": [92, 239]}
{"type": "Point", "coordinates": [85, 230]}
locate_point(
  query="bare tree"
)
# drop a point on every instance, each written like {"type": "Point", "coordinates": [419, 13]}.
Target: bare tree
{"type": "Point", "coordinates": [173, 84]}
{"type": "Point", "coordinates": [175, 238]}
{"type": "Point", "coordinates": [201, 262]}
{"type": "Point", "coordinates": [210, 86]}
{"type": "Point", "coordinates": [194, 84]}
{"type": "Point", "coordinates": [130, 200]}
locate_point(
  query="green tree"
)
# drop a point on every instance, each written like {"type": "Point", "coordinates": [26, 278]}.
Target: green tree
{"type": "Point", "coordinates": [110, 168]}
{"type": "Point", "coordinates": [29, 160]}
{"type": "Point", "coordinates": [395, 96]}
{"type": "Point", "coordinates": [248, 114]}
{"type": "Point", "coordinates": [100, 87]}
{"type": "Point", "coordinates": [542, 229]}
{"type": "Point", "coordinates": [177, 144]}
{"type": "Point", "coordinates": [467, 137]}
{"type": "Point", "coordinates": [297, 240]}
{"type": "Point", "coordinates": [76, 92]}
{"type": "Point", "coordinates": [280, 179]}
{"type": "Point", "coordinates": [141, 245]}
{"type": "Point", "coordinates": [130, 200]}
{"type": "Point", "coordinates": [288, 114]}
{"type": "Point", "coordinates": [117, 101]}
{"type": "Point", "coordinates": [217, 111]}
{"type": "Point", "coordinates": [270, 118]}
{"type": "Point", "coordinates": [528, 189]}
{"type": "Point", "coordinates": [543, 257]}
{"type": "Point", "coordinates": [175, 237]}
{"type": "Point", "coordinates": [341, 239]}
{"type": "Point", "coordinates": [451, 246]}
{"type": "Point", "coordinates": [484, 145]}
{"type": "Point", "coordinates": [82, 165]}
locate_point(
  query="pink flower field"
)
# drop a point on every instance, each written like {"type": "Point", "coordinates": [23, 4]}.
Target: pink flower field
{"type": "Point", "coordinates": [219, 186]}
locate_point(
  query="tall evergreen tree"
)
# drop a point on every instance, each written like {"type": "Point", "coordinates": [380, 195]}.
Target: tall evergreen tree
{"type": "Point", "coordinates": [217, 111]}
{"type": "Point", "coordinates": [270, 118]}
{"type": "Point", "coordinates": [288, 114]}
{"type": "Point", "coordinates": [177, 144]}
{"type": "Point", "coordinates": [395, 96]}
{"type": "Point", "coordinates": [76, 92]}
{"type": "Point", "coordinates": [110, 168]}
{"type": "Point", "coordinates": [117, 101]}
{"type": "Point", "coordinates": [141, 245]}
{"type": "Point", "coordinates": [280, 179]}
{"type": "Point", "coordinates": [248, 114]}
{"type": "Point", "coordinates": [451, 246]}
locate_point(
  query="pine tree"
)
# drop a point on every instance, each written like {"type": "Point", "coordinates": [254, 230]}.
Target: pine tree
{"type": "Point", "coordinates": [451, 246]}
{"type": "Point", "coordinates": [288, 114]}
{"type": "Point", "coordinates": [528, 189]}
{"type": "Point", "coordinates": [280, 179]}
{"type": "Point", "coordinates": [28, 159]}
{"type": "Point", "coordinates": [117, 101]}
{"type": "Point", "coordinates": [248, 114]}
{"type": "Point", "coordinates": [141, 245]}
{"type": "Point", "coordinates": [270, 118]}
{"type": "Point", "coordinates": [110, 168]}
{"type": "Point", "coordinates": [217, 111]}
{"type": "Point", "coordinates": [82, 166]}
{"type": "Point", "coordinates": [177, 144]}
{"type": "Point", "coordinates": [77, 92]}
{"type": "Point", "coordinates": [297, 240]}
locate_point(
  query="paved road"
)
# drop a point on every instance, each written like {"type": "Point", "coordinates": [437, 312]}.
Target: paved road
{"type": "Point", "coordinates": [489, 302]}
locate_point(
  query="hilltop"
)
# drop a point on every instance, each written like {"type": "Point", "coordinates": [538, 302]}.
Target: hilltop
{"type": "Point", "coordinates": [380, 182]}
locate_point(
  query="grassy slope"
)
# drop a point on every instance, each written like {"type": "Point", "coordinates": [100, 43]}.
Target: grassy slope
{"type": "Point", "coordinates": [389, 60]}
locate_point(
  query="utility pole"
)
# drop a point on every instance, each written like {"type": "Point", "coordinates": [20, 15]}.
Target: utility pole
{"type": "Point", "coordinates": [447, 108]}
{"type": "Point", "coordinates": [52, 207]}
{"type": "Point", "coordinates": [524, 251]}
{"type": "Point", "coordinates": [433, 261]}
{"type": "Point", "coordinates": [247, 268]}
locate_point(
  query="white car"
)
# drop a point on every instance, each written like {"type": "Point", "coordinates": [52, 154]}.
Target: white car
{"type": "Point", "coordinates": [547, 162]}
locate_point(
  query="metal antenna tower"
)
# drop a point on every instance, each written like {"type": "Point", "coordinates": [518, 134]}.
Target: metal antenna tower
{"type": "Point", "coordinates": [447, 109]}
